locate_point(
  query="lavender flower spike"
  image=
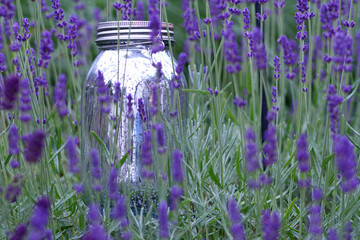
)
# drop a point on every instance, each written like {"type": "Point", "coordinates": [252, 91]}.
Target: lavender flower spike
{"type": "Point", "coordinates": [270, 225]}
{"type": "Point", "coordinates": [19, 232]}
{"type": "Point", "coordinates": [41, 214]}
{"type": "Point", "coordinates": [345, 159]}
{"type": "Point", "coordinates": [72, 154]}
{"type": "Point", "coordinates": [113, 187]}
{"type": "Point", "coordinates": [302, 154]}
{"type": "Point", "coordinates": [177, 171]}
{"type": "Point", "coordinates": [237, 228]}
{"type": "Point", "coordinates": [34, 146]}
{"type": "Point", "coordinates": [13, 140]}
{"type": "Point", "coordinates": [95, 162]}
{"type": "Point", "coordinates": [163, 220]}
{"type": "Point", "coordinates": [270, 149]}
{"type": "Point", "coordinates": [11, 89]}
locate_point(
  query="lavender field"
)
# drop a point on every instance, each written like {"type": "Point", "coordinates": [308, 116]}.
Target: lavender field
{"type": "Point", "coordinates": [248, 126]}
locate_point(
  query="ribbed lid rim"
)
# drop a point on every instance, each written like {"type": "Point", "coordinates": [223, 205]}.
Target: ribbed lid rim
{"type": "Point", "coordinates": [109, 32]}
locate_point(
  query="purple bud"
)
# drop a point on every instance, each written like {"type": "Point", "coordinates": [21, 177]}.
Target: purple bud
{"type": "Point", "coordinates": [163, 220]}
{"type": "Point", "coordinates": [119, 210]}
{"type": "Point", "coordinates": [19, 232]}
{"type": "Point", "coordinates": [41, 214]}
{"type": "Point", "coordinates": [72, 155]}
{"type": "Point", "coordinates": [177, 171]}
{"type": "Point", "coordinates": [270, 225]}
{"type": "Point", "coordinates": [13, 140]}
{"type": "Point", "coordinates": [95, 162]}
{"type": "Point", "coordinates": [11, 89]}
{"type": "Point", "coordinates": [113, 186]}
{"type": "Point", "coordinates": [34, 146]}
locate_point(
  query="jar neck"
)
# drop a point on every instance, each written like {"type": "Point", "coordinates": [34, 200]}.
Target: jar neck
{"type": "Point", "coordinates": [133, 45]}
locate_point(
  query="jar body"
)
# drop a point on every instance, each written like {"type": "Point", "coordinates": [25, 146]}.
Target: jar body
{"type": "Point", "coordinates": [143, 98]}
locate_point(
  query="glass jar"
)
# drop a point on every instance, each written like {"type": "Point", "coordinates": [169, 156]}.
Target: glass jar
{"type": "Point", "coordinates": [115, 117]}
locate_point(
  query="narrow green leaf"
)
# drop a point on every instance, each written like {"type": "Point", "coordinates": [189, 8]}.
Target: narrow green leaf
{"type": "Point", "coordinates": [352, 129]}
{"type": "Point", "coordinates": [102, 144]}
{"type": "Point", "coordinates": [122, 161]}
{"type": "Point", "coordinates": [288, 211]}
{"type": "Point", "coordinates": [196, 91]}
{"type": "Point", "coordinates": [232, 117]}
{"type": "Point", "coordinates": [7, 160]}
{"type": "Point", "coordinates": [213, 177]}
{"type": "Point", "coordinates": [51, 114]}
{"type": "Point", "coordinates": [3, 132]}
{"type": "Point", "coordinates": [57, 152]}
{"type": "Point", "coordinates": [326, 160]}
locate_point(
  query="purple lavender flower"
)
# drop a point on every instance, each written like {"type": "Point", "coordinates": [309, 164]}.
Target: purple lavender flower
{"type": "Point", "coordinates": [46, 48]}
{"type": "Point", "coordinates": [129, 113]}
{"type": "Point", "coordinates": [58, 14]}
{"type": "Point", "coordinates": [25, 100]}
{"type": "Point", "coordinates": [3, 65]}
{"type": "Point", "coordinates": [41, 214]}
{"type": "Point", "coordinates": [175, 193]}
{"type": "Point", "coordinates": [290, 53]}
{"type": "Point", "coordinates": [72, 155]}
{"type": "Point", "coordinates": [60, 95]}
{"type": "Point", "coordinates": [27, 34]}
{"type": "Point", "coordinates": [333, 101]}
{"type": "Point", "coordinates": [34, 146]}
{"type": "Point", "coordinates": [317, 194]}
{"type": "Point", "coordinates": [13, 140]}
{"type": "Point", "coordinates": [117, 92]}
{"type": "Point", "coordinates": [95, 162]}
{"type": "Point", "coordinates": [257, 48]}
{"type": "Point", "coordinates": [239, 102]}
{"type": "Point", "coordinates": [302, 154]}
{"type": "Point", "coordinates": [236, 227]}
{"type": "Point", "coordinates": [315, 220]}
{"type": "Point", "coordinates": [96, 232]}
{"type": "Point", "coordinates": [270, 225]}
{"type": "Point", "coordinates": [141, 110]}
{"type": "Point", "coordinates": [339, 50]}
{"type": "Point", "coordinates": [11, 89]}
{"type": "Point", "coordinates": [14, 164]}
{"type": "Point", "coordinates": [270, 149]}
{"type": "Point", "coordinates": [278, 4]}
{"type": "Point", "coordinates": [231, 50]}
{"type": "Point", "coordinates": [119, 211]}
{"type": "Point", "coordinates": [277, 67]}
{"type": "Point", "coordinates": [191, 23]}
{"type": "Point", "coordinates": [332, 235]}
{"type": "Point", "coordinates": [160, 137]}
{"type": "Point", "coordinates": [177, 170]}
{"type": "Point", "coordinates": [246, 14]}
{"type": "Point", "coordinates": [163, 220]}
{"type": "Point", "coordinates": [140, 11]}
{"type": "Point", "coordinates": [183, 58]}
{"type": "Point", "coordinates": [304, 183]}
{"type": "Point", "coordinates": [78, 188]}
{"type": "Point", "coordinates": [103, 93]}
{"type": "Point", "coordinates": [252, 163]}
{"type": "Point", "coordinates": [328, 14]}
{"type": "Point", "coordinates": [72, 33]}
{"type": "Point", "coordinates": [94, 214]}
{"type": "Point", "coordinates": [347, 231]}
{"type": "Point", "coordinates": [155, 26]}
{"type": "Point", "coordinates": [39, 81]}
{"type": "Point", "coordinates": [97, 14]}
{"type": "Point", "coordinates": [126, 235]}
{"type": "Point", "coordinates": [13, 190]}
{"type": "Point", "coordinates": [113, 187]}
{"type": "Point", "coordinates": [19, 232]}
{"type": "Point", "coordinates": [345, 160]}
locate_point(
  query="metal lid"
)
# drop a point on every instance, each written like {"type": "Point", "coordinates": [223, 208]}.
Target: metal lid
{"type": "Point", "coordinates": [109, 32]}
